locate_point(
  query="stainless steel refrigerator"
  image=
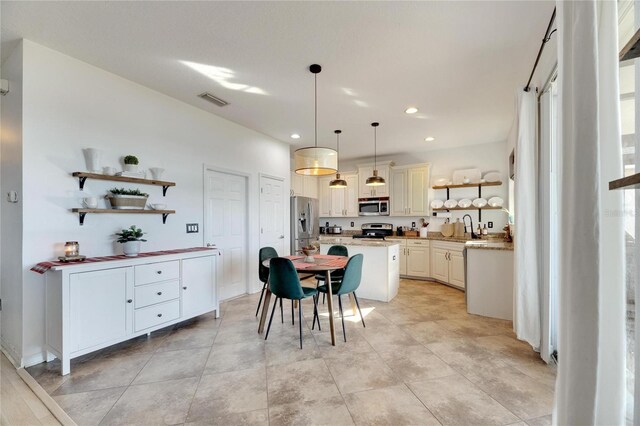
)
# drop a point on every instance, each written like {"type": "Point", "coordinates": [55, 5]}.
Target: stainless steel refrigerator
{"type": "Point", "coordinates": [305, 222]}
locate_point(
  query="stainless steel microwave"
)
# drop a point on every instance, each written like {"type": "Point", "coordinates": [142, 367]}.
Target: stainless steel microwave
{"type": "Point", "coordinates": [378, 206]}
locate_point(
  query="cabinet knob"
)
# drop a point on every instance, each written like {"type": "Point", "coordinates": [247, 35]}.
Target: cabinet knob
{"type": "Point", "coordinates": [158, 272]}
{"type": "Point", "coordinates": [129, 300]}
{"type": "Point", "coordinates": [184, 288]}
{"type": "Point", "coordinates": [159, 315]}
{"type": "Point", "coordinates": [159, 293]}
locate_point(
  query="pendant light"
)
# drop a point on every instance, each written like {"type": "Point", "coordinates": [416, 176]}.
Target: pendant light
{"type": "Point", "coordinates": [375, 180]}
{"type": "Point", "coordinates": [316, 161]}
{"type": "Point", "coordinates": [338, 182]}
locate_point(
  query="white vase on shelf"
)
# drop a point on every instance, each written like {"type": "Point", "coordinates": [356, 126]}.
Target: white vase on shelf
{"type": "Point", "coordinates": [92, 159]}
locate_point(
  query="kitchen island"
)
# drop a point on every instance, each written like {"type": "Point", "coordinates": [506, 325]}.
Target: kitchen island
{"type": "Point", "coordinates": [380, 269]}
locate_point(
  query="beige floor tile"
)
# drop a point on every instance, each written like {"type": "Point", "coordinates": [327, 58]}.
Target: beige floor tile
{"type": "Point", "coordinates": [358, 372]}
{"type": "Point", "coordinates": [355, 343]}
{"type": "Point", "coordinates": [475, 326]}
{"type": "Point", "coordinates": [228, 393]}
{"type": "Point", "coordinates": [47, 374]}
{"type": "Point", "coordinates": [429, 332]}
{"type": "Point", "coordinates": [518, 392]}
{"type": "Point", "coordinates": [541, 421]}
{"type": "Point", "coordinates": [153, 403]}
{"type": "Point", "coordinates": [235, 356]}
{"type": "Point", "coordinates": [285, 349]}
{"type": "Point", "coordinates": [301, 381]}
{"type": "Point", "coordinates": [251, 418]}
{"type": "Point", "coordinates": [415, 363]}
{"type": "Point", "coordinates": [189, 338]}
{"type": "Point", "coordinates": [395, 405]}
{"type": "Point", "coordinates": [454, 400]}
{"type": "Point", "coordinates": [88, 408]}
{"type": "Point", "coordinates": [465, 355]}
{"type": "Point", "coordinates": [388, 338]}
{"type": "Point", "coordinates": [173, 365]}
{"type": "Point", "coordinates": [330, 411]}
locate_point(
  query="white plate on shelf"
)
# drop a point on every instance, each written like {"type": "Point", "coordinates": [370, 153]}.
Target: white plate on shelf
{"type": "Point", "coordinates": [440, 182]}
{"type": "Point", "coordinates": [492, 177]}
{"type": "Point", "coordinates": [479, 202]}
{"type": "Point", "coordinates": [437, 204]}
{"type": "Point", "coordinates": [496, 202]}
{"type": "Point", "coordinates": [464, 203]}
{"type": "Point", "coordinates": [474, 176]}
{"type": "Point", "coordinates": [450, 204]}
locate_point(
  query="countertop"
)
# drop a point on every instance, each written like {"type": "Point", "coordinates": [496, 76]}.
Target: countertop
{"type": "Point", "coordinates": [349, 241]}
{"type": "Point", "coordinates": [488, 245]}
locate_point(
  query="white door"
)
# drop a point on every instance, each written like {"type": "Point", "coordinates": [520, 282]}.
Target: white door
{"type": "Point", "coordinates": [456, 268]}
{"type": "Point", "coordinates": [324, 193]}
{"type": "Point", "coordinates": [272, 213]}
{"type": "Point", "coordinates": [226, 228]}
{"type": "Point", "coordinates": [417, 191]}
{"type": "Point", "coordinates": [351, 196]}
{"type": "Point", "coordinates": [417, 261]}
{"type": "Point", "coordinates": [440, 264]}
{"type": "Point", "coordinates": [398, 195]}
{"type": "Point", "coordinates": [198, 285]}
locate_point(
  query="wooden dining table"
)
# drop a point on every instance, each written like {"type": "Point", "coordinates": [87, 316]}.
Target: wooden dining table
{"type": "Point", "coordinates": [320, 263]}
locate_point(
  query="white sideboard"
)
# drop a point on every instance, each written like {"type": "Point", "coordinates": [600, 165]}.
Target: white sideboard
{"type": "Point", "coordinates": [90, 306]}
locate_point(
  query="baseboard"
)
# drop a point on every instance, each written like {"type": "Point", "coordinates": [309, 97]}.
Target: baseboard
{"type": "Point", "coordinates": [11, 354]}
{"type": "Point", "coordinates": [33, 360]}
{"type": "Point", "coordinates": [46, 399]}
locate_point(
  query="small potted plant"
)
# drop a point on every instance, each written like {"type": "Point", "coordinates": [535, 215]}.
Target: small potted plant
{"type": "Point", "coordinates": [130, 240]}
{"type": "Point", "coordinates": [131, 163]}
{"type": "Point", "coordinates": [122, 199]}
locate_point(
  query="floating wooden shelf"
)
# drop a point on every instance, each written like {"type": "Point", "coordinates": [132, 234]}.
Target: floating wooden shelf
{"type": "Point", "coordinates": [467, 208]}
{"type": "Point", "coordinates": [628, 182]}
{"type": "Point", "coordinates": [83, 212]}
{"type": "Point", "coordinates": [468, 185]}
{"type": "Point", "coordinates": [631, 50]}
{"type": "Point", "coordinates": [83, 176]}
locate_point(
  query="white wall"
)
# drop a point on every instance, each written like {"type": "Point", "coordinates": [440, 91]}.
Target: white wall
{"type": "Point", "coordinates": [70, 105]}
{"type": "Point", "coordinates": [10, 213]}
{"type": "Point", "coordinates": [486, 157]}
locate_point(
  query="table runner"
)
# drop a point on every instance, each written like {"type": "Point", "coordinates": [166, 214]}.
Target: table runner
{"type": "Point", "coordinates": [43, 267]}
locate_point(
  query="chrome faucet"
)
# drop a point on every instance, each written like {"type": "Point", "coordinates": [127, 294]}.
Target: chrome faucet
{"type": "Point", "coordinates": [473, 235]}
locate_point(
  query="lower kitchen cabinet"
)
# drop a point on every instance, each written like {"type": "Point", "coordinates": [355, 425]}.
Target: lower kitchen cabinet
{"type": "Point", "coordinates": [447, 263]}
{"type": "Point", "coordinates": [414, 258]}
{"type": "Point", "coordinates": [198, 292]}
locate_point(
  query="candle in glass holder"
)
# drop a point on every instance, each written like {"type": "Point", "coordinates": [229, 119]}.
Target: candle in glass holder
{"type": "Point", "coordinates": [71, 248]}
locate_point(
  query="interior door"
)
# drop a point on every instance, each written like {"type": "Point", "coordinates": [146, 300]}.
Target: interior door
{"type": "Point", "coordinates": [226, 228]}
{"type": "Point", "coordinates": [272, 213]}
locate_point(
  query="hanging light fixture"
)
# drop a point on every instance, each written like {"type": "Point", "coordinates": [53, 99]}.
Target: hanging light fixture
{"type": "Point", "coordinates": [375, 180]}
{"type": "Point", "coordinates": [338, 182]}
{"type": "Point", "coordinates": [316, 161]}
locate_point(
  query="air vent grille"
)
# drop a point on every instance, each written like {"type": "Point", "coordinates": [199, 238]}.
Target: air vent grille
{"type": "Point", "coordinates": [213, 99]}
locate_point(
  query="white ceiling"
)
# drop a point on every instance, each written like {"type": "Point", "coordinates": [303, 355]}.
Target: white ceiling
{"type": "Point", "coordinates": [458, 62]}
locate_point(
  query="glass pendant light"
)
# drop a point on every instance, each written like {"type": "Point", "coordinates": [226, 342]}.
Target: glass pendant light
{"type": "Point", "coordinates": [338, 182]}
{"type": "Point", "coordinates": [375, 180]}
{"type": "Point", "coordinates": [315, 161]}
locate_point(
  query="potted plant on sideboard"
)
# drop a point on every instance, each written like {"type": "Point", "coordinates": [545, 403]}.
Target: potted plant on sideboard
{"type": "Point", "coordinates": [121, 198]}
{"type": "Point", "coordinates": [130, 239]}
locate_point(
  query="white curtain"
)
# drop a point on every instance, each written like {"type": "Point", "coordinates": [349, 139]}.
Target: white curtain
{"type": "Point", "coordinates": [590, 386]}
{"type": "Point", "coordinates": [527, 291]}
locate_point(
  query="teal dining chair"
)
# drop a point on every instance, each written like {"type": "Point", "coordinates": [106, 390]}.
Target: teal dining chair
{"type": "Point", "coordinates": [263, 274]}
{"type": "Point", "coordinates": [284, 283]}
{"type": "Point", "coordinates": [336, 275]}
{"type": "Point", "coordinates": [348, 284]}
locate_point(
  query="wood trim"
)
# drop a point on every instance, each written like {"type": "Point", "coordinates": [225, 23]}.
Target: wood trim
{"type": "Point", "coordinates": [627, 182]}
{"type": "Point", "coordinates": [99, 176]}
{"type": "Point", "coordinates": [631, 50]}
{"type": "Point", "coordinates": [468, 185]}
{"type": "Point", "coordinates": [46, 399]}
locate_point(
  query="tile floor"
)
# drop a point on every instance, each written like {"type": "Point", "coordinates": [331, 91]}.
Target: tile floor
{"type": "Point", "coordinates": [421, 360]}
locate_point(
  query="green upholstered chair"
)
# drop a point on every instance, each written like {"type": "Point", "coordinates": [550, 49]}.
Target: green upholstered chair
{"type": "Point", "coordinates": [284, 283]}
{"type": "Point", "coordinates": [348, 285]}
{"type": "Point", "coordinates": [338, 273]}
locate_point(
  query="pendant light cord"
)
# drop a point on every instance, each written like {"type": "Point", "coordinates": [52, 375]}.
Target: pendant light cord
{"type": "Point", "coordinates": [338, 156]}
{"type": "Point", "coordinates": [315, 97]}
{"type": "Point", "coordinates": [375, 148]}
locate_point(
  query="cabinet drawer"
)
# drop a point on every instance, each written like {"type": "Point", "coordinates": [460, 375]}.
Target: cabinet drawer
{"type": "Point", "coordinates": [151, 294]}
{"type": "Point", "coordinates": [155, 272]}
{"type": "Point", "coordinates": [417, 243]}
{"type": "Point", "coordinates": [156, 314]}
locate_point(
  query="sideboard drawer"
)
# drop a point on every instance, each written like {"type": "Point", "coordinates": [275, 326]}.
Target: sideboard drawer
{"type": "Point", "coordinates": [154, 272]}
{"type": "Point", "coordinates": [151, 294]}
{"type": "Point", "coordinates": [156, 314]}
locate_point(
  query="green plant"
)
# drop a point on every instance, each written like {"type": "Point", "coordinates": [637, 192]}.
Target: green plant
{"type": "Point", "coordinates": [131, 159]}
{"type": "Point", "coordinates": [122, 191]}
{"type": "Point", "coordinates": [131, 234]}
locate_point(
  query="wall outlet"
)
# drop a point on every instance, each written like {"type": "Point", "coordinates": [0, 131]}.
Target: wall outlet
{"type": "Point", "coordinates": [192, 228]}
{"type": "Point", "coordinates": [413, 224]}
{"type": "Point", "coordinates": [353, 224]}
{"type": "Point", "coordinates": [489, 225]}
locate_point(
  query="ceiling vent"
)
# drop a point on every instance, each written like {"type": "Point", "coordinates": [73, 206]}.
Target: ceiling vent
{"type": "Point", "coordinates": [213, 99]}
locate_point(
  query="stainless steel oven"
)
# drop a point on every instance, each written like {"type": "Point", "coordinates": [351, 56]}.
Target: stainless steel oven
{"type": "Point", "coordinates": [378, 206]}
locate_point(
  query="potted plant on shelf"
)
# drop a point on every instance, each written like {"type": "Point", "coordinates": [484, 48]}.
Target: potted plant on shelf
{"type": "Point", "coordinates": [130, 240]}
{"type": "Point", "coordinates": [131, 163]}
{"type": "Point", "coordinates": [121, 198]}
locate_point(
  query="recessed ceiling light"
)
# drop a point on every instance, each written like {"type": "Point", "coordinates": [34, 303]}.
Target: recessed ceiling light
{"type": "Point", "coordinates": [295, 136]}
{"type": "Point", "coordinates": [430, 139]}
{"type": "Point", "coordinates": [411, 110]}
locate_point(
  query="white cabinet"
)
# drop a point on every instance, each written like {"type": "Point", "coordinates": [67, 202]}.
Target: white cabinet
{"type": "Point", "coordinates": [338, 202]}
{"type": "Point", "coordinates": [305, 186]}
{"type": "Point", "coordinates": [447, 263]}
{"type": "Point", "coordinates": [198, 292]}
{"type": "Point", "coordinates": [414, 258]}
{"type": "Point", "coordinates": [409, 187]}
{"type": "Point", "coordinates": [403, 258]}
{"type": "Point", "coordinates": [365, 191]}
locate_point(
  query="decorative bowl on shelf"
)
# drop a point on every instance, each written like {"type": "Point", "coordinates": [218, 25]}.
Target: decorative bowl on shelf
{"type": "Point", "coordinates": [496, 202]}
{"type": "Point", "coordinates": [492, 177]}
{"type": "Point", "coordinates": [450, 204]}
{"type": "Point", "coordinates": [479, 202]}
{"type": "Point", "coordinates": [437, 204]}
{"type": "Point", "coordinates": [464, 203]}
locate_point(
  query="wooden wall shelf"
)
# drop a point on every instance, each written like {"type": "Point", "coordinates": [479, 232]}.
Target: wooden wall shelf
{"type": "Point", "coordinates": [468, 185]}
{"type": "Point", "coordinates": [83, 212]}
{"type": "Point", "coordinates": [83, 176]}
{"type": "Point", "coordinates": [467, 208]}
{"type": "Point", "coordinates": [628, 182]}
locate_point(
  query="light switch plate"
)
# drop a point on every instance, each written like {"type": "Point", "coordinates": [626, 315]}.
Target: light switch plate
{"type": "Point", "coordinates": [192, 228]}
{"type": "Point", "coordinates": [489, 225]}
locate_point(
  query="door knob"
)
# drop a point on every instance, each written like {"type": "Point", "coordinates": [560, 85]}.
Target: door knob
{"type": "Point", "coordinates": [159, 293]}
{"type": "Point", "coordinates": [158, 272]}
{"type": "Point", "coordinates": [184, 288]}
{"type": "Point", "coordinates": [159, 315]}
{"type": "Point", "coordinates": [281, 237]}
{"type": "Point", "coordinates": [129, 300]}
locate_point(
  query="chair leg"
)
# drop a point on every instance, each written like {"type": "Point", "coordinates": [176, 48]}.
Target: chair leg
{"type": "Point", "coordinates": [300, 320]}
{"type": "Point", "coordinates": [315, 312]}
{"type": "Point", "coordinates": [264, 287]}
{"type": "Point", "coordinates": [273, 311]}
{"type": "Point", "coordinates": [344, 333]}
{"type": "Point", "coordinates": [324, 296]}
{"type": "Point", "coordinates": [293, 321]}
{"type": "Point", "coordinates": [281, 312]}
{"type": "Point", "coordinates": [358, 305]}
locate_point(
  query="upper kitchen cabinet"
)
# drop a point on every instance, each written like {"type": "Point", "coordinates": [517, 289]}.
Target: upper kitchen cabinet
{"type": "Point", "coordinates": [365, 172]}
{"type": "Point", "coordinates": [409, 187]}
{"type": "Point", "coordinates": [338, 202]}
{"type": "Point", "coordinates": [305, 186]}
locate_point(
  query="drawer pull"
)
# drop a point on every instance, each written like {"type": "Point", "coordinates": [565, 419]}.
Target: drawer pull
{"type": "Point", "coordinates": [159, 293]}
{"type": "Point", "coordinates": [184, 288]}
{"type": "Point", "coordinates": [159, 315]}
{"type": "Point", "coordinates": [158, 272]}
{"type": "Point", "coordinates": [129, 300]}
